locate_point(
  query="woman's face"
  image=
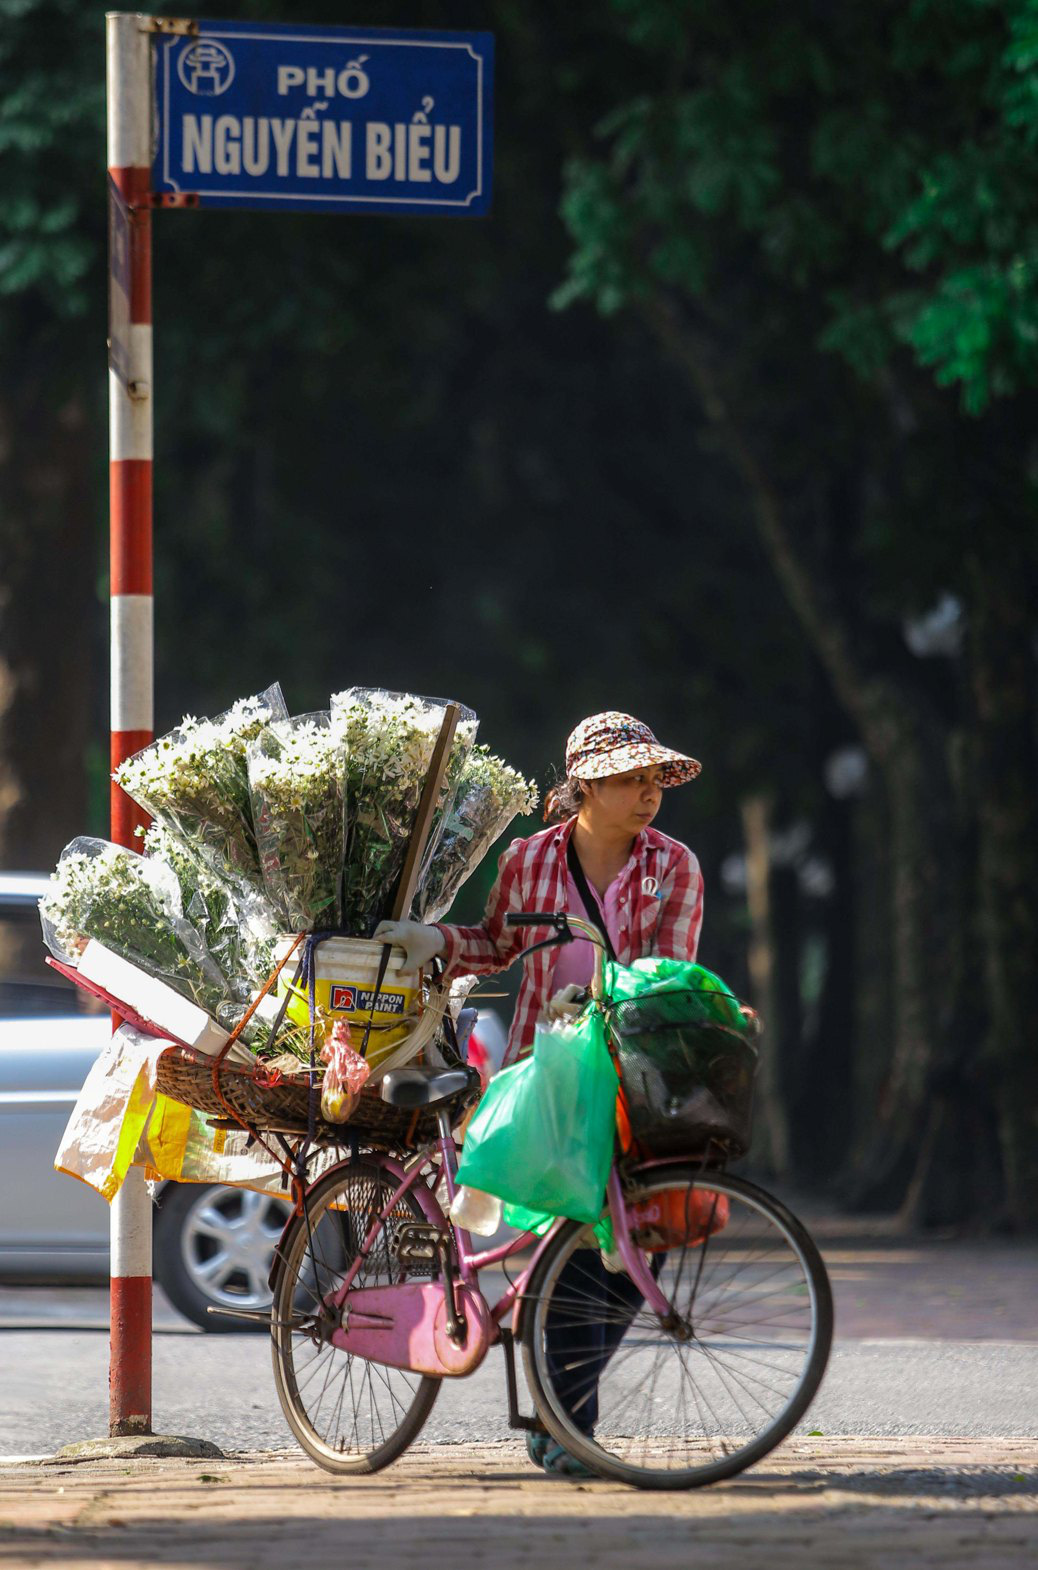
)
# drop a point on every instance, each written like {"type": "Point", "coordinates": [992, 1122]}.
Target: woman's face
{"type": "Point", "coordinates": [626, 801]}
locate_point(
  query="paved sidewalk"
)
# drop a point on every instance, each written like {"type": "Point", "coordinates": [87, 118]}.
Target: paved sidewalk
{"type": "Point", "coordinates": [827, 1504]}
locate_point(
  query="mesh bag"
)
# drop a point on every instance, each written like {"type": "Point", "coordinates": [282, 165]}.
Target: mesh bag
{"type": "Point", "coordinates": [687, 1076]}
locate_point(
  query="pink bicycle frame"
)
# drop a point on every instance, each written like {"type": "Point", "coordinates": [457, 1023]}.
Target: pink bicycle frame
{"type": "Point", "coordinates": [471, 1262]}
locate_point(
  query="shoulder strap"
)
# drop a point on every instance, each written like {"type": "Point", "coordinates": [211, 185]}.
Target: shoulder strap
{"type": "Point", "coordinates": [587, 899]}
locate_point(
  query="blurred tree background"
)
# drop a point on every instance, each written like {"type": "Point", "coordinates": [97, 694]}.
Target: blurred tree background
{"type": "Point", "coordinates": [726, 416]}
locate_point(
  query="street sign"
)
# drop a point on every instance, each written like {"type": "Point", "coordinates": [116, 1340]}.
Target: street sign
{"type": "Point", "coordinates": [340, 119]}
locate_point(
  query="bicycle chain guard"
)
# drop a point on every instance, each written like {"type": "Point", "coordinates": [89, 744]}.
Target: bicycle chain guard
{"type": "Point", "coordinates": [405, 1326]}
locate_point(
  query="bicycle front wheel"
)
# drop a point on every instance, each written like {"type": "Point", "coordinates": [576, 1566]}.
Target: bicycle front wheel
{"type": "Point", "coordinates": [349, 1414]}
{"type": "Point", "coordinates": [729, 1375]}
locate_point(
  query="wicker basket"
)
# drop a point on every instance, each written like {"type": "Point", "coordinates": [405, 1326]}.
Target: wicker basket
{"type": "Point", "coordinates": [187, 1077]}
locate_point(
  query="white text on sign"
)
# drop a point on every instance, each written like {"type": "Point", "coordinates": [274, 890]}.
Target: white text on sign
{"type": "Point", "coordinates": [350, 82]}
{"type": "Point", "coordinates": [319, 149]}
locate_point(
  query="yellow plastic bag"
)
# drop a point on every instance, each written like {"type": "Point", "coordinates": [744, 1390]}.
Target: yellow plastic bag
{"type": "Point", "coordinates": [111, 1112]}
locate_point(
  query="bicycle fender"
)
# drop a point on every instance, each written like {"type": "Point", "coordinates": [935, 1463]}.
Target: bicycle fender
{"type": "Point", "coordinates": [520, 1303]}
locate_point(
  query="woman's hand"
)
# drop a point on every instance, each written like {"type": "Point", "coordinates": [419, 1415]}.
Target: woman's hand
{"type": "Point", "coordinates": [568, 1002]}
{"type": "Point", "coordinates": [420, 942]}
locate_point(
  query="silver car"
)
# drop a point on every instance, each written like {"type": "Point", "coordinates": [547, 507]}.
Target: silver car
{"type": "Point", "coordinates": [213, 1245]}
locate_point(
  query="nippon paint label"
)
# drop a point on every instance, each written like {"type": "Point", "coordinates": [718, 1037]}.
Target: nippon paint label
{"type": "Point", "coordinates": [328, 118]}
{"type": "Point", "coordinates": [347, 999]}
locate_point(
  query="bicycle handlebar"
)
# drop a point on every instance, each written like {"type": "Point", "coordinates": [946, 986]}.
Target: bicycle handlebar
{"type": "Point", "coordinates": [564, 926]}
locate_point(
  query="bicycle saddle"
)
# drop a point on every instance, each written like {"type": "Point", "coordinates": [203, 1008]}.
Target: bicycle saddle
{"type": "Point", "coordinates": [418, 1086]}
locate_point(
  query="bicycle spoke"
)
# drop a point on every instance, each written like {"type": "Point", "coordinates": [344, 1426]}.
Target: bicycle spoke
{"type": "Point", "coordinates": [745, 1357]}
{"type": "Point", "coordinates": [685, 1394]}
{"type": "Point", "coordinates": [344, 1409]}
{"type": "Point", "coordinates": [687, 1379]}
{"type": "Point", "coordinates": [337, 1415]}
{"type": "Point", "coordinates": [729, 1386]}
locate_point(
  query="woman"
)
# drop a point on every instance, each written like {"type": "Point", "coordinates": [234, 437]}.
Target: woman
{"type": "Point", "coordinates": [602, 858]}
{"type": "Point", "coordinates": [647, 889]}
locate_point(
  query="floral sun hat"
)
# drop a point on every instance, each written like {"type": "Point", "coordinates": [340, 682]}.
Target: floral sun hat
{"type": "Point", "coordinates": [613, 743]}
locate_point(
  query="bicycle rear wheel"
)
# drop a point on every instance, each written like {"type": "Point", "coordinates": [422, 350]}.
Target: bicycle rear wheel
{"type": "Point", "coordinates": [350, 1415]}
{"type": "Point", "coordinates": [697, 1402]}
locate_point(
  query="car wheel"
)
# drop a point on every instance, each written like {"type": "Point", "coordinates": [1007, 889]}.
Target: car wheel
{"type": "Point", "coordinates": [214, 1247]}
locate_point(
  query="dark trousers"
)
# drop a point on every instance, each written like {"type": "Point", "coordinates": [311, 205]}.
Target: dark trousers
{"type": "Point", "coordinates": [590, 1313]}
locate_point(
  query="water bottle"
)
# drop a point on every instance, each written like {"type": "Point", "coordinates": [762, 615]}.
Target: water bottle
{"type": "Point", "coordinates": [474, 1211]}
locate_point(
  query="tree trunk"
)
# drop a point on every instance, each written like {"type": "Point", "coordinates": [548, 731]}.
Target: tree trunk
{"type": "Point", "coordinates": [822, 1095]}
{"type": "Point", "coordinates": [872, 980]}
{"type": "Point", "coordinates": [923, 974]}
{"type": "Point", "coordinates": [787, 1033]}
{"type": "Point", "coordinates": [904, 738]}
{"type": "Point", "coordinates": [1001, 663]}
{"type": "Point", "coordinates": [770, 1116]}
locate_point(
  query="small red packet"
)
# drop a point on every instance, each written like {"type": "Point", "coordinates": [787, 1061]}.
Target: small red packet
{"type": "Point", "coordinates": [344, 1076]}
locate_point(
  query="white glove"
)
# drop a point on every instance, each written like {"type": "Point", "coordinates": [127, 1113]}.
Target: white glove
{"type": "Point", "coordinates": [422, 943]}
{"type": "Point", "coordinates": [568, 1001]}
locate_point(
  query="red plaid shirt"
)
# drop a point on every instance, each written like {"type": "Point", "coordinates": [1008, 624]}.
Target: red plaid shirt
{"type": "Point", "coordinates": [532, 875]}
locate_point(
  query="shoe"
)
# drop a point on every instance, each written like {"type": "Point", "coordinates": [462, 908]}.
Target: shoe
{"type": "Point", "coordinates": [558, 1462]}
{"type": "Point", "coordinates": [536, 1445]}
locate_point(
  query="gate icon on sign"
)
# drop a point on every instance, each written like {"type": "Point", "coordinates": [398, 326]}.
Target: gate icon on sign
{"type": "Point", "coordinates": [206, 68]}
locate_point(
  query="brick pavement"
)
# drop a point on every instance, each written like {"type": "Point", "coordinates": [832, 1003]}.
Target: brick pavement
{"type": "Point", "coordinates": [832, 1504]}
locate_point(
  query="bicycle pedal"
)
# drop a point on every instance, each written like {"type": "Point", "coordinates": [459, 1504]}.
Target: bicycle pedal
{"type": "Point", "coordinates": [417, 1243]}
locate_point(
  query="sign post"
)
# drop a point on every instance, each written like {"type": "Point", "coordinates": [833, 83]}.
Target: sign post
{"type": "Point", "coordinates": [277, 117]}
{"type": "Point", "coordinates": [130, 455]}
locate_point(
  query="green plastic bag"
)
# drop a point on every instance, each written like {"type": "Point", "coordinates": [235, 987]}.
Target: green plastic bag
{"type": "Point", "coordinates": [543, 1135]}
{"type": "Point", "coordinates": [656, 977]}
{"type": "Point", "coordinates": [523, 1220]}
{"type": "Point", "coordinates": [539, 1221]}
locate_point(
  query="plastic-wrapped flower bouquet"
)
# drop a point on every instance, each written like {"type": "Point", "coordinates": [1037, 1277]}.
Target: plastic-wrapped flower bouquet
{"type": "Point", "coordinates": [133, 906]}
{"type": "Point", "coordinates": [389, 739]}
{"type": "Point", "coordinates": [297, 773]}
{"type": "Point", "coordinates": [195, 781]}
{"type": "Point", "coordinates": [267, 826]}
{"type": "Point", "coordinates": [489, 794]}
{"type": "Point", "coordinates": [237, 924]}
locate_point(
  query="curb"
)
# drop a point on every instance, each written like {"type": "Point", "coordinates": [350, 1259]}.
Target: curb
{"type": "Point", "coordinates": [128, 1447]}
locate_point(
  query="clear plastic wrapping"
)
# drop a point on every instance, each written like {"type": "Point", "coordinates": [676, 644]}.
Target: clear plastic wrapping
{"type": "Point", "coordinates": [132, 905]}
{"type": "Point", "coordinates": [297, 778]}
{"type": "Point", "coordinates": [195, 781]}
{"type": "Point", "coordinates": [389, 739]}
{"type": "Point", "coordinates": [461, 751]}
{"type": "Point", "coordinates": [489, 794]}
{"type": "Point", "coordinates": [266, 824]}
{"type": "Point", "coordinates": [238, 925]}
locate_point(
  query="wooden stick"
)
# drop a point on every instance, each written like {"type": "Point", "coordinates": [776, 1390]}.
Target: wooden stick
{"type": "Point", "coordinates": [424, 816]}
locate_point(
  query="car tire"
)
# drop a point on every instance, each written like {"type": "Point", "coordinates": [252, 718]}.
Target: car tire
{"type": "Point", "coordinates": [213, 1248]}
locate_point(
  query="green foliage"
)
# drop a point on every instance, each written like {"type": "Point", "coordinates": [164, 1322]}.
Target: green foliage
{"type": "Point", "coordinates": [881, 159]}
{"type": "Point", "coordinates": [51, 153]}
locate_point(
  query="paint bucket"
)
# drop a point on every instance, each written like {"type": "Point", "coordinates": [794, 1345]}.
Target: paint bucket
{"type": "Point", "coordinates": [344, 988]}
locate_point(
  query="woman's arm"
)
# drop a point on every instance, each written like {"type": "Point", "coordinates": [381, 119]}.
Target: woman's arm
{"type": "Point", "coordinates": [681, 909]}
{"type": "Point", "coordinates": [491, 946]}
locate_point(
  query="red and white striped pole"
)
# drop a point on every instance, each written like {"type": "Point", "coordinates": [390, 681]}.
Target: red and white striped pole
{"type": "Point", "coordinates": [130, 427]}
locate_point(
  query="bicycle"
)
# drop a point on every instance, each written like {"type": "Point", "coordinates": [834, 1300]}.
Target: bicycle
{"type": "Point", "coordinates": [678, 1362]}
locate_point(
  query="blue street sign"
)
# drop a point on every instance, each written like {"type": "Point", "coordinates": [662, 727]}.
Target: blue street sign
{"type": "Point", "coordinates": [342, 119]}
